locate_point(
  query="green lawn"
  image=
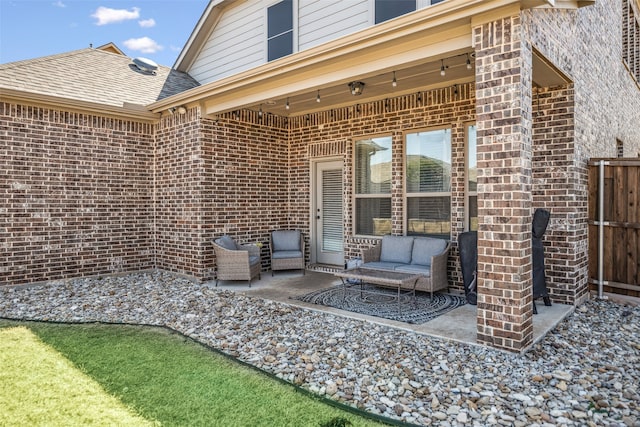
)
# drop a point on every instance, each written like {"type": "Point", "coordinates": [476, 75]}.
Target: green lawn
{"type": "Point", "coordinates": [155, 375]}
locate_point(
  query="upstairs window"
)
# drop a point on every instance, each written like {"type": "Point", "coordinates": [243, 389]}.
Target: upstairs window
{"type": "Point", "coordinates": [280, 30]}
{"type": "Point", "coordinates": [631, 38]}
{"type": "Point", "coordinates": [389, 9]}
{"type": "Point", "coordinates": [372, 176]}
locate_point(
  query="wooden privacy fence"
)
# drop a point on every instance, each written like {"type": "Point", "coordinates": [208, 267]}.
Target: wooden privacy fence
{"type": "Point", "coordinates": [614, 226]}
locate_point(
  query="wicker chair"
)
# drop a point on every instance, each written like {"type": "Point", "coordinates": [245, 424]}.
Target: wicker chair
{"type": "Point", "coordinates": [287, 250]}
{"type": "Point", "coordinates": [235, 261]}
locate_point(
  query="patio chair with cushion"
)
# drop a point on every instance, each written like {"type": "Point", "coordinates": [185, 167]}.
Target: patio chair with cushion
{"type": "Point", "coordinates": [287, 250]}
{"type": "Point", "coordinates": [235, 261]}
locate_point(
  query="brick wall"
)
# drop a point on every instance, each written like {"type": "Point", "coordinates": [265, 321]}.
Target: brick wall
{"type": "Point", "coordinates": [76, 193]}
{"type": "Point", "coordinates": [247, 191]}
{"type": "Point", "coordinates": [559, 187]}
{"type": "Point", "coordinates": [215, 177]}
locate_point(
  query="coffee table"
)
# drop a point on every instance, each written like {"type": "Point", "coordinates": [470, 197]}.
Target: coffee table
{"type": "Point", "coordinates": [383, 278]}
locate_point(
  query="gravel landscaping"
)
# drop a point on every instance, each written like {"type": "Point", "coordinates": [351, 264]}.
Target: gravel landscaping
{"type": "Point", "coordinates": [586, 372]}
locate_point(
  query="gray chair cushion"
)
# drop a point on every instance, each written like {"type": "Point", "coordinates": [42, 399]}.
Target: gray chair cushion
{"type": "Point", "coordinates": [426, 247]}
{"type": "Point", "coordinates": [227, 242]}
{"type": "Point", "coordinates": [396, 249]}
{"type": "Point", "coordinates": [286, 240]}
{"type": "Point", "coordinates": [287, 254]}
{"type": "Point", "coordinates": [253, 260]}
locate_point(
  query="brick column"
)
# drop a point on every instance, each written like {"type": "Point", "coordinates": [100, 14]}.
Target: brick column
{"type": "Point", "coordinates": [503, 91]}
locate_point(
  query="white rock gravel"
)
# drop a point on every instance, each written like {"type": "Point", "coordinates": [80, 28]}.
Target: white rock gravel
{"type": "Point", "coordinates": [586, 372]}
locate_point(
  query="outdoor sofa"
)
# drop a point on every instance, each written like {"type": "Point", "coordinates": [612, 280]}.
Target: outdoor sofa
{"type": "Point", "coordinates": [424, 255]}
{"type": "Point", "coordinates": [235, 261]}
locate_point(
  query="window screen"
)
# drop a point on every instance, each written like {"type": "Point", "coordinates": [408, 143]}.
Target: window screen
{"type": "Point", "coordinates": [372, 176]}
{"type": "Point", "coordinates": [428, 183]}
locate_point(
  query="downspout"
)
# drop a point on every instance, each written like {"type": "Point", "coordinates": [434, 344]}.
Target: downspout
{"type": "Point", "coordinates": [601, 165]}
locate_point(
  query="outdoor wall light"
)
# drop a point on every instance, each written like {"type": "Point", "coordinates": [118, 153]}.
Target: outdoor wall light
{"type": "Point", "coordinates": [180, 109]}
{"type": "Point", "coordinates": [356, 88]}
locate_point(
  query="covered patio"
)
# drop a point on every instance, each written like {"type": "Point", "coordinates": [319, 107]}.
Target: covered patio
{"type": "Point", "coordinates": [457, 325]}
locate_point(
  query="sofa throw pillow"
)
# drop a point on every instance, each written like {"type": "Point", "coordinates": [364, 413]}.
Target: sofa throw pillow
{"type": "Point", "coordinates": [227, 242]}
{"type": "Point", "coordinates": [396, 249]}
{"type": "Point", "coordinates": [426, 247]}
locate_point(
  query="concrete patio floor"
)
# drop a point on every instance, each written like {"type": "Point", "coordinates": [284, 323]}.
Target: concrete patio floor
{"type": "Point", "coordinates": [458, 324]}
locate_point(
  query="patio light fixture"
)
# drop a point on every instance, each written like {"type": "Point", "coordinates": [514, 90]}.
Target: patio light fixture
{"type": "Point", "coordinates": [318, 96]}
{"type": "Point", "coordinates": [356, 88]}
{"type": "Point", "coordinates": [468, 62]}
{"type": "Point", "coordinates": [442, 68]}
{"type": "Point", "coordinates": [394, 82]}
{"type": "Point", "coordinates": [181, 109]}
{"type": "Point", "coordinates": [287, 104]}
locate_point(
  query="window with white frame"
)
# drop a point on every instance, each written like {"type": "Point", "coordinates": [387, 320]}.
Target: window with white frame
{"type": "Point", "coordinates": [372, 185]}
{"type": "Point", "coordinates": [428, 183]}
{"type": "Point", "coordinates": [280, 30]}
{"type": "Point", "coordinates": [472, 178]}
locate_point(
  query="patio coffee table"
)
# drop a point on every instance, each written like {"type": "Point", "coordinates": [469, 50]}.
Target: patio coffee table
{"type": "Point", "coordinates": [383, 278]}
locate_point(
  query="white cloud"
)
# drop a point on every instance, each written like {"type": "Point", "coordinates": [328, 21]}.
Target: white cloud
{"type": "Point", "coordinates": [105, 15]}
{"type": "Point", "coordinates": [147, 23]}
{"type": "Point", "coordinates": [59, 4]}
{"type": "Point", "coordinates": [143, 44]}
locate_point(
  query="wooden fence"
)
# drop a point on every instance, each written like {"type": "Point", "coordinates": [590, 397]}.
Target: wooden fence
{"type": "Point", "coordinates": [614, 226]}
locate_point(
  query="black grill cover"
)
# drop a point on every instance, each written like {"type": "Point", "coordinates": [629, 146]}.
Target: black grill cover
{"type": "Point", "coordinates": [539, 226]}
{"type": "Point", "coordinates": [468, 248]}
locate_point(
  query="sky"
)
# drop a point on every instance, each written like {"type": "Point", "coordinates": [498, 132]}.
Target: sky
{"type": "Point", "coordinates": [152, 29]}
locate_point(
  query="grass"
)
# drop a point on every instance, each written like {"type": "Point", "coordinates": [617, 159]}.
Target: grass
{"type": "Point", "coordinates": [157, 376]}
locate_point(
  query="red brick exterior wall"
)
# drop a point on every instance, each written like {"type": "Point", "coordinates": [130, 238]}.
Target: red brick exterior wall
{"type": "Point", "coordinates": [76, 194]}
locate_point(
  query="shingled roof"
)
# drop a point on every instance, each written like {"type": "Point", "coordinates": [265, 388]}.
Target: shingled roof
{"type": "Point", "coordinates": [93, 75]}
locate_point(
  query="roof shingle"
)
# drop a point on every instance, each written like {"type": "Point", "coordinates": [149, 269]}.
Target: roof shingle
{"type": "Point", "coordinates": [93, 75]}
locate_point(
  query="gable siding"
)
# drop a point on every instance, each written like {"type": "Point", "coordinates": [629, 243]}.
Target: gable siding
{"type": "Point", "coordinates": [321, 21]}
{"type": "Point", "coordinates": [236, 44]}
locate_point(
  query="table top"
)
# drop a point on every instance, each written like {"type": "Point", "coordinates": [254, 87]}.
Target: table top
{"type": "Point", "coordinates": [380, 276]}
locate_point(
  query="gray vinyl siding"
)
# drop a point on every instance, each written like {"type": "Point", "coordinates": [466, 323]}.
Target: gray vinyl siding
{"type": "Point", "coordinates": [236, 44]}
{"type": "Point", "coordinates": [321, 21]}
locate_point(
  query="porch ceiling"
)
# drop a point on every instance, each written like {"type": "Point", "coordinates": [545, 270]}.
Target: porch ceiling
{"type": "Point", "coordinates": [412, 45]}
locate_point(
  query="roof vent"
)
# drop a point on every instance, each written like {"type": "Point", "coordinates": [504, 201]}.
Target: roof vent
{"type": "Point", "coordinates": [145, 65]}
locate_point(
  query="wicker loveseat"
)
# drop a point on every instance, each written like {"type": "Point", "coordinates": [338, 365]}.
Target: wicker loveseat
{"type": "Point", "coordinates": [235, 261]}
{"type": "Point", "coordinates": [407, 254]}
{"type": "Point", "coordinates": [287, 250]}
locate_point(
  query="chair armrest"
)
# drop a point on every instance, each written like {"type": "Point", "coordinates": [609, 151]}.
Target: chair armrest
{"type": "Point", "coordinates": [371, 254]}
{"type": "Point", "coordinates": [439, 266]}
